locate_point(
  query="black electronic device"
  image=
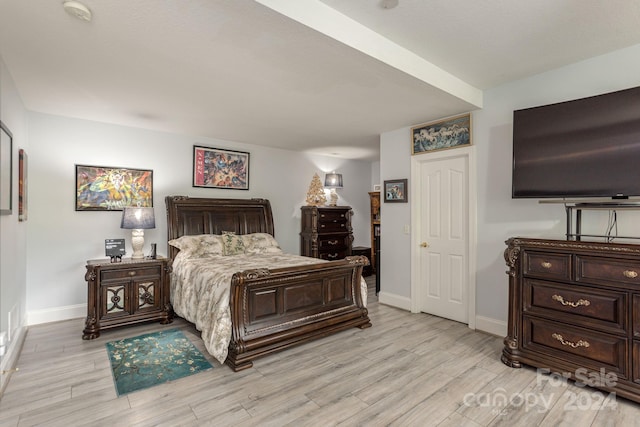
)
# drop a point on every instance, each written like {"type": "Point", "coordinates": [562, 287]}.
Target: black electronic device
{"type": "Point", "coordinates": [588, 147]}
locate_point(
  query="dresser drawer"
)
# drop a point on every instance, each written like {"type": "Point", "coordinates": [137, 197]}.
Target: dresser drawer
{"type": "Point", "coordinates": [132, 273]}
{"type": "Point", "coordinates": [589, 307]}
{"type": "Point", "coordinates": [576, 345]}
{"type": "Point", "coordinates": [607, 271]}
{"type": "Point", "coordinates": [332, 255]}
{"type": "Point", "coordinates": [332, 226]}
{"type": "Point", "coordinates": [547, 265]}
{"type": "Point", "coordinates": [334, 242]}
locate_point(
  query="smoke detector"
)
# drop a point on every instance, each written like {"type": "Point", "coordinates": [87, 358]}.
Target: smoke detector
{"type": "Point", "coordinates": [78, 10]}
{"type": "Point", "coordinates": [389, 4]}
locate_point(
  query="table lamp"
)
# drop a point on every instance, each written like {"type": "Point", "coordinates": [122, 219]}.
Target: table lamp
{"type": "Point", "coordinates": [333, 180]}
{"type": "Point", "coordinates": [137, 219]}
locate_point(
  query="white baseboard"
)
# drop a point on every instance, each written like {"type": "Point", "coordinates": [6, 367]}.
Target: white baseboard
{"type": "Point", "coordinates": [9, 360]}
{"type": "Point", "coordinates": [491, 326]}
{"type": "Point", "coordinates": [394, 300]}
{"type": "Point", "coordinates": [56, 314]}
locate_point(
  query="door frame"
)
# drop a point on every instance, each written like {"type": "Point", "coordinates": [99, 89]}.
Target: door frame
{"type": "Point", "coordinates": [416, 191]}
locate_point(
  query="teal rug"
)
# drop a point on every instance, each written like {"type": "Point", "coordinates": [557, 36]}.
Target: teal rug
{"type": "Point", "coordinates": [152, 359]}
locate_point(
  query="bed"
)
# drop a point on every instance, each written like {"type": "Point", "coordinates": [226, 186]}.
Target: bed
{"type": "Point", "coordinates": [269, 308]}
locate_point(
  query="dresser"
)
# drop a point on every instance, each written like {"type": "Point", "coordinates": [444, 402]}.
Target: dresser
{"type": "Point", "coordinates": [326, 232]}
{"type": "Point", "coordinates": [574, 308]}
{"type": "Point", "coordinates": [126, 293]}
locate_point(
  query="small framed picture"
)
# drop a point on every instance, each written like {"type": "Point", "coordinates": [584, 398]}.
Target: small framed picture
{"type": "Point", "coordinates": [376, 187]}
{"type": "Point", "coordinates": [395, 191]}
{"type": "Point", "coordinates": [217, 168]}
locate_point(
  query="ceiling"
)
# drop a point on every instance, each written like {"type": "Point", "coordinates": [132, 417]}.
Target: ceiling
{"type": "Point", "coordinates": [325, 77]}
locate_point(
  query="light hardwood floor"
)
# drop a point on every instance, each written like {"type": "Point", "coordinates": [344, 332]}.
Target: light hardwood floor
{"type": "Point", "coordinates": [408, 369]}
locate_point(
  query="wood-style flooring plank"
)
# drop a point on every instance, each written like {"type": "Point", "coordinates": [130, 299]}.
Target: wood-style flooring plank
{"type": "Point", "coordinates": [408, 369]}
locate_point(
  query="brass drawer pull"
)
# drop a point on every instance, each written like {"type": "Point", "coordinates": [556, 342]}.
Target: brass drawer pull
{"type": "Point", "coordinates": [580, 343]}
{"type": "Point", "coordinates": [332, 242]}
{"type": "Point", "coordinates": [132, 273]}
{"type": "Point", "coordinates": [630, 274]}
{"type": "Point", "coordinates": [546, 264]}
{"type": "Point", "coordinates": [578, 303]}
{"type": "Point", "coordinates": [332, 256]}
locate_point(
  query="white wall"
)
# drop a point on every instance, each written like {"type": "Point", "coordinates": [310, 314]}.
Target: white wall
{"type": "Point", "coordinates": [61, 240]}
{"type": "Point", "coordinates": [12, 232]}
{"type": "Point", "coordinates": [499, 216]}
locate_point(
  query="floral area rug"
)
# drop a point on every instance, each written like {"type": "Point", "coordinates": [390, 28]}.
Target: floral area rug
{"type": "Point", "coordinates": [152, 359]}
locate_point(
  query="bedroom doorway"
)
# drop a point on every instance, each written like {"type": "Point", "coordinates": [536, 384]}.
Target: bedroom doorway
{"type": "Point", "coordinates": [443, 244]}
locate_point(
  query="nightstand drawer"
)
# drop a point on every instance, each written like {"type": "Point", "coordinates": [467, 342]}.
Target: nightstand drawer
{"type": "Point", "coordinates": [607, 271]}
{"type": "Point", "coordinates": [589, 307]}
{"type": "Point", "coordinates": [580, 346]}
{"type": "Point", "coordinates": [152, 271]}
{"type": "Point", "coordinates": [547, 265]}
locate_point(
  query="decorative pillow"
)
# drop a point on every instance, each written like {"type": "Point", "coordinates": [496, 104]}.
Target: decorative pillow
{"type": "Point", "coordinates": [232, 244]}
{"type": "Point", "coordinates": [260, 243]}
{"type": "Point", "coordinates": [198, 246]}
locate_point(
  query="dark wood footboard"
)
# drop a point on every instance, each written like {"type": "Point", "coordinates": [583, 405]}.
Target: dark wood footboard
{"type": "Point", "coordinates": [275, 309]}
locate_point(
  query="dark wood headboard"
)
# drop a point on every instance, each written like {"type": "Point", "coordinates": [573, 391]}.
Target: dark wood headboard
{"type": "Point", "coordinates": [192, 215]}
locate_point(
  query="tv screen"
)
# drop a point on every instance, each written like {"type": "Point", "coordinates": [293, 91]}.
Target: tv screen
{"type": "Point", "coordinates": [588, 147]}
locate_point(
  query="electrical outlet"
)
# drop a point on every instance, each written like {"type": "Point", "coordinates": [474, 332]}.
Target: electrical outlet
{"type": "Point", "coordinates": [406, 229]}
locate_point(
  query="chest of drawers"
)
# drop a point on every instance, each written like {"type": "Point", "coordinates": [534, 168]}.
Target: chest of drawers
{"type": "Point", "coordinates": [574, 308]}
{"type": "Point", "coordinates": [326, 232]}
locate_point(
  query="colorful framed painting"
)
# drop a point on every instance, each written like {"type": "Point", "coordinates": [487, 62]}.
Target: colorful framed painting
{"type": "Point", "coordinates": [22, 185]}
{"type": "Point", "coordinates": [452, 132]}
{"type": "Point", "coordinates": [105, 188]}
{"type": "Point", "coordinates": [6, 169]}
{"type": "Point", "coordinates": [395, 191]}
{"type": "Point", "coordinates": [219, 168]}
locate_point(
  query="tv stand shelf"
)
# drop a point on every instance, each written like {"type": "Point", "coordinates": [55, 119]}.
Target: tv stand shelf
{"type": "Point", "coordinates": [577, 206]}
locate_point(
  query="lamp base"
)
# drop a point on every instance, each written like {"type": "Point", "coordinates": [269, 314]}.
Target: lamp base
{"type": "Point", "coordinates": [137, 242]}
{"type": "Point", "coordinates": [333, 201]}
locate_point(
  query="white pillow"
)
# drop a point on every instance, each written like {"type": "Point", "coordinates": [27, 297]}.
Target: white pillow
{"type": "Point", "coordinates": [260, 243]}
{"type": "Point", "coordinates": [199, 246]}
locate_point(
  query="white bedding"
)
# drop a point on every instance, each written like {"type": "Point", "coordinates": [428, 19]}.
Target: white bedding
{"type": "Point", "coordinates": [200, 289]}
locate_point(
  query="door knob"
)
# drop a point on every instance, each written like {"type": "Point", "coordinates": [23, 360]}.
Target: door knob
{"type": "Point", "coordinates": [424, 245]}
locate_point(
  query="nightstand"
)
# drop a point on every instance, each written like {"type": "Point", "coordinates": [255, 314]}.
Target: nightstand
{"type": "Point", "coordinates": [126, 293]}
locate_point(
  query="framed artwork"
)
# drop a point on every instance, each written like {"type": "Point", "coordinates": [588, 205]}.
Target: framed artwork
{"type": "Point", "coordinates": [104, 188]}
{"type": "Point", "coordinates": [6, 169]}
{"type": "Point", "coordinates": [218, 168]}
{"type": "Point", "coordinates": [376, 187]}
{"type": "Point", "coordinates": [22, 185]}
{"type": "Point", "coordinates": [452, 132]}
{"type": "Point", "coordinates": [395, 191]}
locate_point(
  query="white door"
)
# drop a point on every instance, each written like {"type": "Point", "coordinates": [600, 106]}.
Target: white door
{"type": "Point", "coordinates": [444, 237]}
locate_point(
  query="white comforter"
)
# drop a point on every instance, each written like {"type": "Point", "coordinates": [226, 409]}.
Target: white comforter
{"type": "Point", "coordinates": [200, 289]}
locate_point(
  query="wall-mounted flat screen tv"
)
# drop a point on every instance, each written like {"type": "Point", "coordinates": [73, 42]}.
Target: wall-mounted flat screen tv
{"type": "Point", "coordinates": [588, 147]}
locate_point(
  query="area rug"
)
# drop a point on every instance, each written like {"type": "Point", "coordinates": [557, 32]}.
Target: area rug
{"type": "Point", "coordinates": [152, 359]}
